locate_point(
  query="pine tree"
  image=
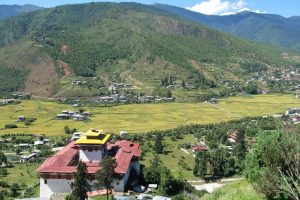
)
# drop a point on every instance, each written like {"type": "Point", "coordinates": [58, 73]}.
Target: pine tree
{"type": "Point", "coordinates": [80, 187]}
{"type": "Point", "coordinates": [106, 175]}
{"type": "Point", "coordinates": [158, 146]}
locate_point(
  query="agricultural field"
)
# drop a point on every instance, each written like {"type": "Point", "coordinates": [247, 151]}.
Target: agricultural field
{"type": "Point", "coordinates": [136, 118]}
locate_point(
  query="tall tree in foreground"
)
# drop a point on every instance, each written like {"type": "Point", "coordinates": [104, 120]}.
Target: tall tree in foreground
{"type": "Point", "coordinates": [274, 166]}
{"type": "Point", "coordinates": [106, 175]}
{"type": "Point", "coordinates": [80, 187]}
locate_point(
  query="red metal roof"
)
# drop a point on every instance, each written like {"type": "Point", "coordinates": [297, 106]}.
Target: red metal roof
{"type": "Point", "coordinates": [123, 144]}
{"type": "Point", "coordinates": [199, 148]}
{"type": "Point", "coordinates": [127, 150]}
{"type": "Point", "coordinates": [60, 162]}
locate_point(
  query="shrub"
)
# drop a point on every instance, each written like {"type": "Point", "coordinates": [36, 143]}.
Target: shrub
{"type": "Point", "coordinates": [11, 126]}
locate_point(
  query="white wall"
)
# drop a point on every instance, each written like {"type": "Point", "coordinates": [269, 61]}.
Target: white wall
{"type": "Point", "coordinates": [87, 156]}
{"type": "Point", "coordinates": [54, 186]}
{"type": "Point", "coordinates": [119, 186]}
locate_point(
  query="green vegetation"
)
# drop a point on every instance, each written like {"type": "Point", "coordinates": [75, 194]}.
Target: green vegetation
{"type": "Point", "coordinates": [12, 79]}
{"type": "Point", "coordinates": [126, 42]}
{"type": "Point", "coordinates": [142, 117]}
{"type": "Point", "coordinates": [80, 187]}
{"type": "Point", "coordinates": [20, 179]}
{"type": "Point", "coordinates": [106, 175]}
{"type": "Point", "coordinates": [273, 165]}
{"type": "Point", "coordinates": [242, 190]}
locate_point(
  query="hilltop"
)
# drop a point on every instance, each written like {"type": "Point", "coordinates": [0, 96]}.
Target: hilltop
{"type": "Point", "coordinates": [14, 10]}
{"type": "Point", "coordinates": [105, 43]}
{"type": "Point", "coordinates": [261, 27]}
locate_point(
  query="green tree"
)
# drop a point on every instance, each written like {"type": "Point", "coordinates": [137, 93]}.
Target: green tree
{"type": "Point", "coordinates": [274, 166]}
{"type": "Point", "coordinates": [18, 151]}
{"type": "Point", "coordinates": [80, 187]}
{"type": "Point", "coordinates": [158, 146]}
{"type": "Point", "coordinates": [3, 172]}
{"type": "Point", "coordinates": [67, 130]}
{"type": "Point", "coordinates": [218, 161]}
{"type": "Point", "coordinates": [3, 158]}
{"type": "Point", "coordinates": [14, 190]}
{"type": "Point", "coordinates": [152, 173]}
{"type": "Point", "coordinates": [200, 168]}
{"type": "Point", "coordinates": [106, 176]}
{"type": "Point", "coordinates": [45, 151]}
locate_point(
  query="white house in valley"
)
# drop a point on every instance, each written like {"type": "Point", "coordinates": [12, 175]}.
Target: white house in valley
{"type": "Point", "coordinates": [57, 172]}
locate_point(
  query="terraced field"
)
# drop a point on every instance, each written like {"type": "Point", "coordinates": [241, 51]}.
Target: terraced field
{"type": "Point", "coordinates": [141, 117]}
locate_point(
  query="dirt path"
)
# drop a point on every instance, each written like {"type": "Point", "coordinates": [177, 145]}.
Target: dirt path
{"type": "Point", "coordinates": [210, 187]}
{"type": "Point", "coordinates": [214, 105]}
{"type": "Point", "coordinates": [185, 151]}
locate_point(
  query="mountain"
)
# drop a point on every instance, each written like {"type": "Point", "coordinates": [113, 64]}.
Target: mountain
{"type": "Point", "coordinates": [268, 28]}
{"type": "Point", "coordinates": [103, 43]}
{"type": "Point", "coordinates": [14, 10]}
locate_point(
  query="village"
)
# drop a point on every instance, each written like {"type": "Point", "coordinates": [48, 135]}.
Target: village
{"type": "Point", "coordinates": [56, 158]}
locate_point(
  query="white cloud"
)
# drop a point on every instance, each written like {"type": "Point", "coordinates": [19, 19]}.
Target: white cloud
{"type": "Point", "coordinates": [220, 7]}
{"type": "Point", "coordinates": [211, 7]}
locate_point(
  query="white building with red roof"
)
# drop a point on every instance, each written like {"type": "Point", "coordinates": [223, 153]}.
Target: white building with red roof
{"type": "Point", "coordinates": [57, 172]}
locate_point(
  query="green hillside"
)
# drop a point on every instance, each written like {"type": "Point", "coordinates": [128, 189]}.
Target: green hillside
{"type": "Point", "coordinates": [125, 42]}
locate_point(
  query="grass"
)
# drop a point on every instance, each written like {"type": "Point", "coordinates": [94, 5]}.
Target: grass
{"type": "Point", "coordinates": [241, 190]}
{"type": "Point", "coordinates": [141, 117]}
{"type": "Point", "coordinates": [24, 175]}
{"type": "Point", "coordinates": [174, 153]}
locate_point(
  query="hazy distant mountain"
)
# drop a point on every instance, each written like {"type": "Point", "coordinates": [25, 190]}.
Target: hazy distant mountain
{"type": "Point", "coordinates": [13, 10]}
{"type": "Point", "coordinates": [269, 28]}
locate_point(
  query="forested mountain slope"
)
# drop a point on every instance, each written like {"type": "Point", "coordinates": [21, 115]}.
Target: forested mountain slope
{"type": "Point", "coordinates": [14, 10]}
{"type": "Point", "coordinates": [268, 28]}
{"type": "Point", "coordinates": [124, 42]}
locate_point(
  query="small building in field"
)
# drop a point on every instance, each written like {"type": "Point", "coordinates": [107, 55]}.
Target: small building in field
{"type": "Point", "coordinates": [21, 119]}
{"type": "Point", "coordinates": [293, 111]}
{"type": "Point", "coordinates": [33, 155]}
{"type": "Point", "coordinates": [77, 135]}
{"type": "Point", "coordinates": [232, 137]}
{"type": "Point", "coordinates": [62, 116]}
{"type": "Point", "coordinates": [24, 146]}
{"type": "Point", "coordinates": [197, 149]}
{"type": "Point", "coordinates": [122, 133]}
{"type": "Point", "coordinates": [57, 172]}
{"type": "Point", "coordinates": [213, 101]}
{"type": "Point", "coordinates": [79, 117]}
{"type": "Point", "coordinates": [295, 119]}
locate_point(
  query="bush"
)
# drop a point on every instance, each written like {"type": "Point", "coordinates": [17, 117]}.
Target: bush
{"type": "Point", "coordinates": [3, 172]}
{"type": "Point", "coordinates": [11, 126]}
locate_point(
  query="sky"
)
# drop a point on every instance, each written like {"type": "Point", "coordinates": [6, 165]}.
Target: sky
{"type": "Point", "coordinates": [285, 8]}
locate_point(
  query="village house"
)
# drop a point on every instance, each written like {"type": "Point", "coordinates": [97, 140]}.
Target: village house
{"type": "Point", "coordinates": [31, 156]}
{"type": "Point", "coordinates": [199, 148]}
{"type": "Point", "coordinates": [79, 117]}
{"type": "Point", "coordinates": [232, 137]}
{"type": "Point", "coordinates": [293, 111]}
{"type": "Point", "coordinates": [41, 142]}
{"type": "Point", "coordinates": [57, 172]}
{"type": "Point", "coordinates": [77, 135]}
{"type": "Point", "coordinates": [24, 146]}
{"type": "Point", "coordinates": [21, 119]}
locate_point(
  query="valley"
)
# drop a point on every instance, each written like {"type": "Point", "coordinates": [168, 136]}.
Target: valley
{"type": "Point", "coordinates": [139, 118]}
{"type": "Point", "coordinates": [135, 101]}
